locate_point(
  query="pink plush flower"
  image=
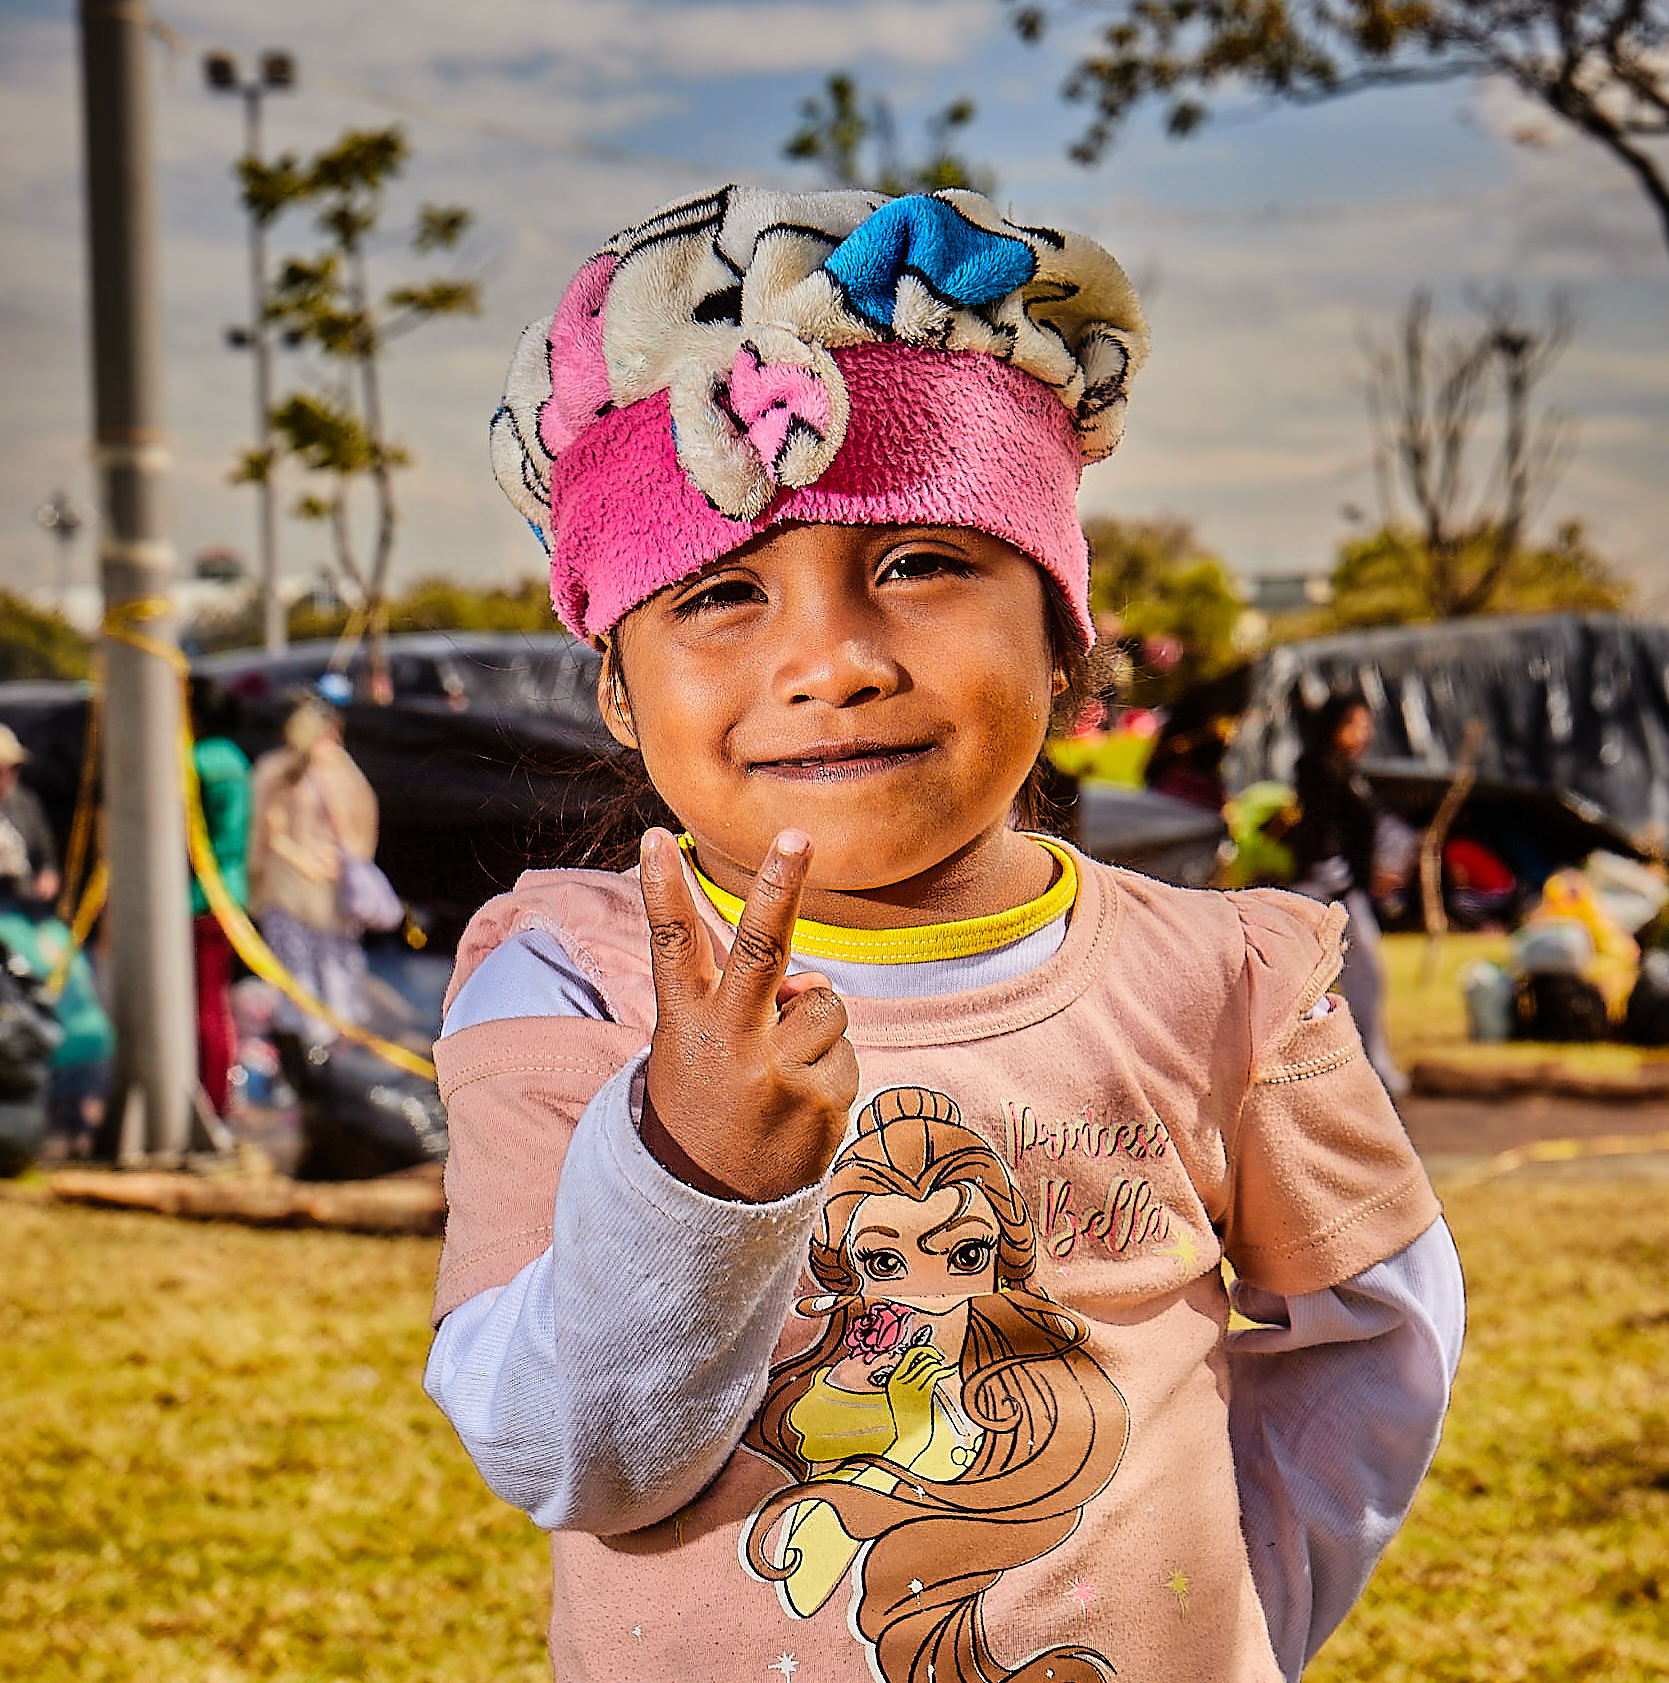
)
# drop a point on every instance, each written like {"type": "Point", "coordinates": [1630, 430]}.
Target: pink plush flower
{"type": "Point", "coordinates": [877, 1330]}
{"type": "Point", "coordinates": [771, 399]}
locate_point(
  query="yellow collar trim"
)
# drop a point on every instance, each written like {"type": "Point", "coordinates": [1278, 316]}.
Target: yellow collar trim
{"type": "Point", "coordinates": [923, 942]}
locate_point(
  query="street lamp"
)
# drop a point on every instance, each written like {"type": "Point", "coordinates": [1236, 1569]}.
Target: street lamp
{"type": "Point", "coordinates": [62, 519]}
{"type": "Point", "coordinates": [276, 73]}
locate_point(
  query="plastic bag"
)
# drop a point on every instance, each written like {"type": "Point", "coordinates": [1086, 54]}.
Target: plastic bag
{"type": "Point", "coordinates": [365, 896]}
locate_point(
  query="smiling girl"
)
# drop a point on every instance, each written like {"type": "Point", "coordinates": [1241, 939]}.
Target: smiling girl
{"type": "Point", "coordinates": [915, 1402]}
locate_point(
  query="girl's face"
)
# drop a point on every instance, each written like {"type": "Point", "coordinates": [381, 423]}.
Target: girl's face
{"type": "Point", "coordinates": [885, 689]}
{"type": "Point", "coordinates": [903, 1251]}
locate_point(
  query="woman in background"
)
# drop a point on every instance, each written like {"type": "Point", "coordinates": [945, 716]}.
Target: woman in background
{"type": "Point", "coordinates": [1333, 847]}
{"type": "Point", "coordinates": [312, 806]}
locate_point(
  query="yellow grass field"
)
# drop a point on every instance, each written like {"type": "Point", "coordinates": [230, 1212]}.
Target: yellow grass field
{"type": "Point", "coordinates": [216, 1462]}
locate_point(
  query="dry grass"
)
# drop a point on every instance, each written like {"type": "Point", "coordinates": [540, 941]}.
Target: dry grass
{"type": "Point", "coordinates": [1538, 1549]}
{"type": "Point", "coordinates": [218, 1464]}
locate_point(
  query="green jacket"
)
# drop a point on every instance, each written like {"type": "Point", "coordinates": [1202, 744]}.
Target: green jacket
{"type": "Point", "coordinates": [223, 777]}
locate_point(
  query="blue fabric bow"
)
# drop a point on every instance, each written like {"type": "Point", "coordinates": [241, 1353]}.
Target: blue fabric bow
{"type": "Point", "coordinates": [962, 263]}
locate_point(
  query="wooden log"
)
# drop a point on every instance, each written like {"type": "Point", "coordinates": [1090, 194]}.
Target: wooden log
{"type": "Point", "coordinates": [408, 1203]}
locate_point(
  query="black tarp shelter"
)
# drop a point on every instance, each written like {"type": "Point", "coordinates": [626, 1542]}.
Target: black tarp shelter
{"type": "Point", "coordinates": [1574, 709]}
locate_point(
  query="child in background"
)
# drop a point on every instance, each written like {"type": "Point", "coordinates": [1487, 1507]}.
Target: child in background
{"type": "Point", "coordinates": [946, 1391]}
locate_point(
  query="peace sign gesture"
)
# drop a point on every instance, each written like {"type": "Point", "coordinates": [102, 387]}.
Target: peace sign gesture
{"type": "Point", "coordinates": [750, 1073]}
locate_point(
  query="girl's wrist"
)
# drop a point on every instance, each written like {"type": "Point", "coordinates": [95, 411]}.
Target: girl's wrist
{"type": "Point", "coordinates": [663, 1146]}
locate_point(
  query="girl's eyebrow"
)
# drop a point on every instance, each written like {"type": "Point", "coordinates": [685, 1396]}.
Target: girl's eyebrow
{"type": "Point", "coordinates": [719, 564]}
{"type": "Point", "coordinates": [884, 1232]}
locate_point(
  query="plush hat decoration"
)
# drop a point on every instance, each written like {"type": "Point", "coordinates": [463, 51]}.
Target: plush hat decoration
{"type": "Point", "coordinates": [749, 356]}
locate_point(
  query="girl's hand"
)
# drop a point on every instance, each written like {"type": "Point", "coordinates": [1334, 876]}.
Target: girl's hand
{"type": "Point", "coordinates": [750, 1075]}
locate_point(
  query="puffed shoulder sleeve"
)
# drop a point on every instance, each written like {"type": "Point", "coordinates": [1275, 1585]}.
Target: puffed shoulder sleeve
{"type": "Point", "coordinates": [513, 1091]}
{"type": "Point", "coordinates": [1324, 1181]}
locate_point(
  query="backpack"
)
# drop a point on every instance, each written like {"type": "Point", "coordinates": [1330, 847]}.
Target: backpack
{"type": "Point", "coordinates": [1561, 1007]}
{"type": "Point", "coordinates": [1647, 1021]}
{"type": "Point", "coordinates": [28, 1035]}
{"type": "Point", "coordinates": [29, 1032]}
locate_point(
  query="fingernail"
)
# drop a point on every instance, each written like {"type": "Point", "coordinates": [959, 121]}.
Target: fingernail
{"type": "Point", "coordinates": [791, 842]}
{"type": "Point", "coordinates": [654, 848]}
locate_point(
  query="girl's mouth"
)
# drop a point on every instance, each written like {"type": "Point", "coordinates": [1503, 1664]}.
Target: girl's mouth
{"type": "Point", "coordinates": [844, 764]}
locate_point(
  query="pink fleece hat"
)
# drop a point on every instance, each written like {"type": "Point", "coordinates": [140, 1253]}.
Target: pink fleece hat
{"type": "Point", "coordinates": [748, 358]}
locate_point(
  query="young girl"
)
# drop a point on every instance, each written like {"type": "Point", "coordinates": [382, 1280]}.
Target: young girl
{"type": "Point", "coordinates": [948, 1391]}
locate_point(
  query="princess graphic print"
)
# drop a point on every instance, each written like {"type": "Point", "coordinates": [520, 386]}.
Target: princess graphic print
{"type": "Point", "coordinates": [947, 1425]}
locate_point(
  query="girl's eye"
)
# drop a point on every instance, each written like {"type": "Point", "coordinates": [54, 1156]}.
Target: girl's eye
{"type": "Point", "coordinates": [881, 1265]}
{"type": "Point", "coordinates": [721, 593]}
{"type": "Point", "coordinates": [972, 1256]}
{"type": "Point", "coordinates": [923, 564]}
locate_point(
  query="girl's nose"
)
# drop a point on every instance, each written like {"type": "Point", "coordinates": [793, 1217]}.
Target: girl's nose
{"type": "Point", "coordinates": [837, 657]}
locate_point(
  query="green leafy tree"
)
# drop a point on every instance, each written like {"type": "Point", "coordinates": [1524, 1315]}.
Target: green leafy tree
{"type": "Point", "coordinates": [39, 643]}
{"type": "Point", "coordinates": [852, 138]}
{"type": "Point", "coordinates": [338, 430]}
{"type": "Point", "coordinates": [1381, 579]}
{"type": "Point", "coordinates": [1168, 602]}
{"type": "Point", "coordinates": [1601, 67]}
{"type": "Point", "coordinates": [439, 604]}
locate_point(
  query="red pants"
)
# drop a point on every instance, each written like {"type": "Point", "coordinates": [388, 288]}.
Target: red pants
{"type": "Point", "coordinates": [217, 1034]}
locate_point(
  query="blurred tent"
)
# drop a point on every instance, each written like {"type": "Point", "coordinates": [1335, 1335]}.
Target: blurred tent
{"type": "Point", "coordinates": [1575, 716]}
{"type": "Point", "coordinates": [491, 758]}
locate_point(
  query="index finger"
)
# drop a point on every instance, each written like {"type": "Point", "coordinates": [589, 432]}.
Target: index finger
{"type": "Point", "coordinates": [765, 932]}
{"type": "Point", "coordinates": [680, 961]}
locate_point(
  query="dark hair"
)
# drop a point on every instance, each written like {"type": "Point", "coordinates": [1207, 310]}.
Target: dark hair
{"type": "Point", "coordinates": [1086, 674]}
{"type": "Point", "coordinates": [1319, 728]}
{"type": "Point", "coordinates": [215, 710]}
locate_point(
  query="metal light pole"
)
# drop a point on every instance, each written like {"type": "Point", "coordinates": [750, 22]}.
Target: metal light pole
{"type": "Point", "coordinates": [277, 73]}
{"type": "Point", "coordinates": [150, 940]}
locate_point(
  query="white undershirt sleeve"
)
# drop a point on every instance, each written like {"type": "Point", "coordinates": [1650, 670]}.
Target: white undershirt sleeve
{"type": "Point", "coordinates": [608, 1382]}
{"type": "Point", "coordinates": [1336, 1405]}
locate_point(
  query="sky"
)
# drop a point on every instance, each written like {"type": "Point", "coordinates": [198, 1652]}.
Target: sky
{"type": "Point", "coordinates": [1269, 250]}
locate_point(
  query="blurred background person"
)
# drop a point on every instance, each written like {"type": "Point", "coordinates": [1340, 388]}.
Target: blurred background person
{"type": "Point", "coordinates": [79, 1053]}
{"type": "Point", "coordinates": [312, 807]}
{"type": "Point", "coordinates": [28, 852]}
{"type": "Point", "coordinates": [1335, 845]}
{"type": "Point", "coordinates": [224, 788]}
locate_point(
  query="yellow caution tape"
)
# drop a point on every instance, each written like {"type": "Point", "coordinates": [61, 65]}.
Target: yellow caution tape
{"type": "Point", "coordinates": [78, 852]}
{"type": "Point", "coordinates": [1557, 1151]}
{"type": "Point", "coordinates": [120, 624]}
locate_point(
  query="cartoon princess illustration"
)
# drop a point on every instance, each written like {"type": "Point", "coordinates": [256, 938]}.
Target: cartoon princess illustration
{"type": "Point", "coordinates": [948, 1424]}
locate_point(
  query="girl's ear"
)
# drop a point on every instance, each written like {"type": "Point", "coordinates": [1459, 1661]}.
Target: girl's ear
{"type": "Point", "coordinates": [612, 701]}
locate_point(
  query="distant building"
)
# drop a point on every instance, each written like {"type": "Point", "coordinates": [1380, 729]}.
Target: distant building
{"type": "Point", "coordinates": [220, 566]}
{"type": "Point", "coordinates": [1288, 593]}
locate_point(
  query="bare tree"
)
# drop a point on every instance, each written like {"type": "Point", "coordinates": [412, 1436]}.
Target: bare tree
{"type": "Point", "coordinates": [1426, 398]}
